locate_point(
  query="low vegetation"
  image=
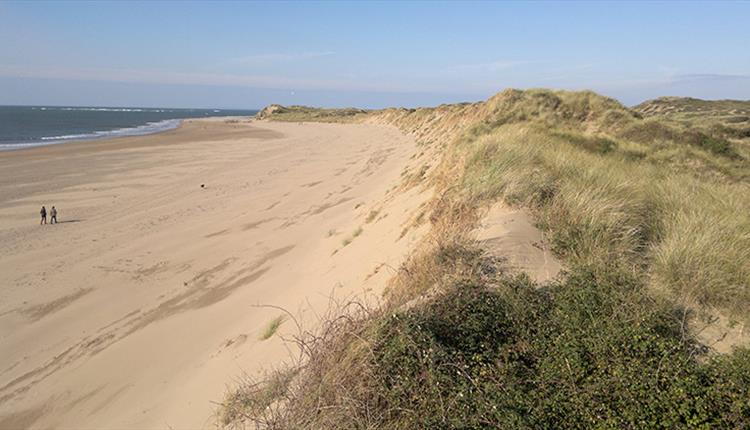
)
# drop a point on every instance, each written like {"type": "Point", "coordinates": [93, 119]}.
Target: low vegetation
{"type": "Point", "coordinates": [681, 232]}
{"type": "Point", "coordinates": [727, 119]}
{"type": "Point", "coordinates": [304, 113]}
{"type": "Point", "coordinates": [694, 112]}
{"type": "Point", "coordinates": [652, 218]}
{"type": "Point", "coordinates": [371, 216]}
{"type": "Point", "coordinates": [272, 327]}
{"type": "Point", "coordinates": [493, 350]}
{"type": "Point", "coordinates": [255, 399]}
{"type": "Point", "coordinates": [355, 233]}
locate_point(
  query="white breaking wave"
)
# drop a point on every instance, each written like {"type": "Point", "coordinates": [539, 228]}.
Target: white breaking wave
{"type": "Point", "coordinates": [149, 128]}
{"type": "Point", "coordinates": [104, 109]}
{"type": "Point", "coordinates": [68, 137]}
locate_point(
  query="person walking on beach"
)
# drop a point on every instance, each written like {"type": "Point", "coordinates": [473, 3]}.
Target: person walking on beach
{"type": "Point", "coordinates": [43, 213]}
{"type": "Point", "coordinates": [53, 215]}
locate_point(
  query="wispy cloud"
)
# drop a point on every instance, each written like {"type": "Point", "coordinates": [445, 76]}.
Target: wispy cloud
{"type": "Point", "coordinates": [264, 59]}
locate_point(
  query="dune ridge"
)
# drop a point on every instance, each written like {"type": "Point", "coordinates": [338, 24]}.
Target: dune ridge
{"type": "Point", "coordinates": [643, 328]}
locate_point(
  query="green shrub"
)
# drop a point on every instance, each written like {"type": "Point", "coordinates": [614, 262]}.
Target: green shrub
{"type": "Point", "coordinates": [595, 144]}
{"type": "Point", "coordinates": [591, 352]}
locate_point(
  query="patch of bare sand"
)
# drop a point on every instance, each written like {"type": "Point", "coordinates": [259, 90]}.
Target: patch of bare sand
{"type": "Point", "coordinates": [510, 233]}
{"type": "Point", "coordinates": [139, 308]}
{"type": "Point", "coordinates": [719, 333]}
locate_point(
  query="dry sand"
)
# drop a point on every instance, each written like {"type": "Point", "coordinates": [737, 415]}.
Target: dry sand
{"type": "Point", "coordinates": [510, 233]}
{"type": "Point", "coordinates": [138, 308]}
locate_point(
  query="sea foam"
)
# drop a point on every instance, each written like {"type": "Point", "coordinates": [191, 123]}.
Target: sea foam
{"type": "Point", "coordinates": [149, 128]}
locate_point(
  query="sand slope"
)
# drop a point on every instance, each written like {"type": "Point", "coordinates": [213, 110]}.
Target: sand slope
{"type": "Point", "coordinates": [138, 308]}
{"type": "Point", "coordinates": [510, 233]}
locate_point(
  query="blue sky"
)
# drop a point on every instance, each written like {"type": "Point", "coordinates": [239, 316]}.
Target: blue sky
{"type": "Point", "coordinates": [368, 54]}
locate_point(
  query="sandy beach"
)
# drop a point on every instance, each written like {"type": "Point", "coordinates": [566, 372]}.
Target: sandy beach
{"type": "Point", "coordinates": [147, 299]}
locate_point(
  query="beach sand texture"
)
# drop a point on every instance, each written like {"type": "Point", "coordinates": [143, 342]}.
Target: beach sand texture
{"type": "Point", "coordinates": [139, 307]}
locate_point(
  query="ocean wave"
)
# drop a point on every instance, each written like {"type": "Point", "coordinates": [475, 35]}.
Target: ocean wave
{"type": "Point", "coordinates": [148, 128]}
{"type": "Point", "coordinates": [100, 109]}
{"type": "Point", "coordinates": [67, 137]}
{"type": "Point", "coordinates": [106, 109]}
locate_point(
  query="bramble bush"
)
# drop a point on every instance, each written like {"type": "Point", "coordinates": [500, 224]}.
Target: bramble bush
{"type": "Point", "coordinates": [585, 353]}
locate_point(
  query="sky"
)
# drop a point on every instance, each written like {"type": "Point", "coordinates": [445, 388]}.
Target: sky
{"type": "Point", "coordinates": [365, 54]}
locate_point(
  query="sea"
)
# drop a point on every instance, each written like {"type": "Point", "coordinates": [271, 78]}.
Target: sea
{"type": "Point", "coordinates": [27, 126]}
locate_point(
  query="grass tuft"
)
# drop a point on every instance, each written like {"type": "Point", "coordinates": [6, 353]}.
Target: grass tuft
{"type": "Point", "coordinates": [371, 216]}
{"type": "Point", "coordinates": [349, 239]}
{"type": "Point", "coordinates": [255, 398]}
{"type": "Point", "coordinates": [272, 327]}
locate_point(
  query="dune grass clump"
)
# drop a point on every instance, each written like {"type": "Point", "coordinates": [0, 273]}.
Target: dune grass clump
{"type": "Point", "coordinates": [689, 235]}
{"type": "Point", "coordinates": [255, 398]}
{"type": "Point", "coordinates": [272, 327]}
{"type": "Point", "coordinates": [704, 251]}
{"type": "Point", "coordinates": [355, 233]}
{"type": "Point", "coordinates": [371, 216]}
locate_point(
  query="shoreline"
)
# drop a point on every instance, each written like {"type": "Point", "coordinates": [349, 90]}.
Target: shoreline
{"type": "Point", "coordinates": [146, 129]}
{"type": "Point", "coordinates": [120, 141]}
{"type": "Point", "coordinates": [95, 135]}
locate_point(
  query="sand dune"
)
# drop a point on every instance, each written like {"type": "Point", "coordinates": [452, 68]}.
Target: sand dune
{"type": "Point", "coordinates": [138, 307]}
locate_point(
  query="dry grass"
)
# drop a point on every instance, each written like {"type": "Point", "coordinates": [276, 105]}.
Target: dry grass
{"type": "Point", "coordinates": [254, 400]}
{"type": "Point", "coordinates": [703, 254]}
{"type": "Point", "coordinates": [689, 235]}
{"type": "Point", "coordinates": [662, 196]}
{"type": "Point", "coordinates": [372, 215]}
{"type": "Point", "coordinates": [357, 232]}
{"type": "Point", "coordinates": [333, 385]}
{"type": "Point", "coordinates": [692, 111]}
{"type": "Point", "coordinates": [354, 234]}
{"type": "Point", "coordinates": [331, 359]}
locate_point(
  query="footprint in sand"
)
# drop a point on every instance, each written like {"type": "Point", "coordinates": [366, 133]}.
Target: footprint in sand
{"type": "Point", "coordinates": [218, 233]}
{"type": "Point", "coordinates": [256, 224]}
{"type": "Point", "coordinates": [312, 184]}
{"type": "Point", "coordinates": [273, 205]}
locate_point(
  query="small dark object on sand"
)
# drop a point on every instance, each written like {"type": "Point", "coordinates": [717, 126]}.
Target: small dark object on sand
{"type": "Point", "coordinates": [203, 185]}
